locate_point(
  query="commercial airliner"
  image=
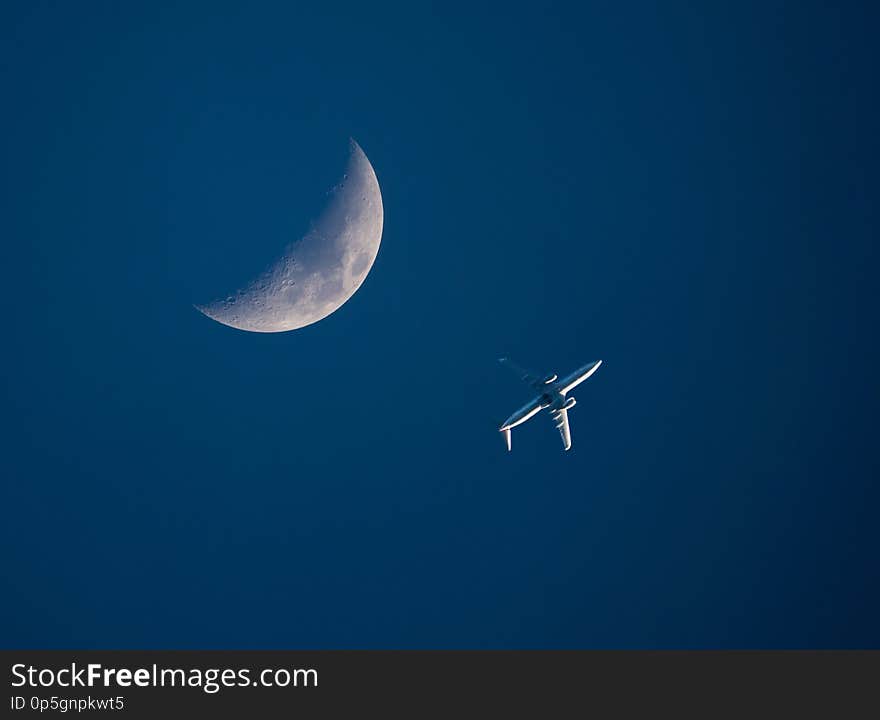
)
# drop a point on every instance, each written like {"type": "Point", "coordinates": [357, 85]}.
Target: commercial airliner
{"type": "Point", "coordinates": [553, 397]}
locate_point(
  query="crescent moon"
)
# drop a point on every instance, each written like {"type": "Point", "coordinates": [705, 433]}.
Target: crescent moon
{"type": "Point", "coordinates": [317, 274]}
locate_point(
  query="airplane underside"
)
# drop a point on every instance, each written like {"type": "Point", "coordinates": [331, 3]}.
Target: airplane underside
{"type": "Point", "coordinates": [553, 397]}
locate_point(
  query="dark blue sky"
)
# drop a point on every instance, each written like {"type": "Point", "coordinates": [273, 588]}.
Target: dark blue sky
{"type": "Point", "coordinates": [689, 194]}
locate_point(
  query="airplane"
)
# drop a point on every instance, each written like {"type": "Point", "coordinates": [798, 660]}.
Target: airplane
{"type": "Point", "coordinates": [553, 397]}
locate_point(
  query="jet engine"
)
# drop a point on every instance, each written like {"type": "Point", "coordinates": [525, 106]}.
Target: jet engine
{"type": "Point", "coordinates": [550, 379]}
{"type": "Point", "coordinates": [569, 404]}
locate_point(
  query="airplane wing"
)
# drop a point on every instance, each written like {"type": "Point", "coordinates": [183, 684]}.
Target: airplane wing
{"type": "Point", "coordinates": [526, 376]}
{"type": "Point", "coordinates": [560, 417]}
{"type": "Point", "coordinates": [578, 376]}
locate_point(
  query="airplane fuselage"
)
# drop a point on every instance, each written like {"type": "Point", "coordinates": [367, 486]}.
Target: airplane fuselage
{"type": "Point", "coordinates": [553, 400]}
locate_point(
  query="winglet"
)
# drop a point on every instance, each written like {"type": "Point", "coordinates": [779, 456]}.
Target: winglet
{"type": "Point", "coordinates": [507, 437]}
